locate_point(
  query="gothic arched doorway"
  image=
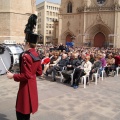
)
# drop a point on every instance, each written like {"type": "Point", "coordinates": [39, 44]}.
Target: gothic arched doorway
{"type": "Point", "coordinates": [69, 41]}
{"type": "Point", "coordinates": [99, 40]}
{"type": "Point", "coordinates": [69, 38]}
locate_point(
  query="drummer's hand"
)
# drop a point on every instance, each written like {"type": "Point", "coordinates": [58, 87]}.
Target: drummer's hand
{"type": "Point", "coordinates": [9, 75]}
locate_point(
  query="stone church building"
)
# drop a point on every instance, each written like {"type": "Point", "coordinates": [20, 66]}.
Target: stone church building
{"type": "Point", "coordinates": [13, 18]}
{"type": "Point", "coordinates": [89, 22]}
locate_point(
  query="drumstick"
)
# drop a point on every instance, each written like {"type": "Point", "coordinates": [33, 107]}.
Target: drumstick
{"type": "Point", "coordinates": [4, 64]}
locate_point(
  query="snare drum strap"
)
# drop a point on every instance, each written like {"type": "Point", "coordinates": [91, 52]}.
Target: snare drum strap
{"type": "Point", "coordinates": [2, 49]}
{"type": "Point", "coordinates": [20, 59]}
{"type": "Point", "coordinates": [35, 59]}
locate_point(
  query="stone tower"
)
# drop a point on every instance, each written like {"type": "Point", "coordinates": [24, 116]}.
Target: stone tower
{"type": "Point", "coordinates": [13, 18]}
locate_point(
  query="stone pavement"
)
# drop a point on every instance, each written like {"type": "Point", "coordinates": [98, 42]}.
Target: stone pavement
{"type": "Point", "coordinates": [61, 102]}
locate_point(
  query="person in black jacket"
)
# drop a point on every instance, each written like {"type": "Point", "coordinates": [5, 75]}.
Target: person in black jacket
{"type": "Point", "coordinates": [73, 64]}
{"type": "Point", "coordinates": [61, 47]}
{"type": "Point", "coordinates": [59, 67]}
{"type": "Point", "coordinates": [97, 64]}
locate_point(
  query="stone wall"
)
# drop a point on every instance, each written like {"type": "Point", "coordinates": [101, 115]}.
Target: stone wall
{"type": "Point", "coordinates": [89, 18]}
{"type": "Point", "coordinates": [14, 15]}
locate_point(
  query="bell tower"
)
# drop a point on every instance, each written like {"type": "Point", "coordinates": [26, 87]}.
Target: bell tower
{"type": "Point", "coordinates": [13, 16]}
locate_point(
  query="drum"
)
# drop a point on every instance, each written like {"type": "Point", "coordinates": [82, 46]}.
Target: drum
{"type": "Point", "coordinates": [10, 58]}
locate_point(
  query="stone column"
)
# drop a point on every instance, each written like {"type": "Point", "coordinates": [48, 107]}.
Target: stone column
{"type": "Point", "coordinates": [60, 29]}
{"type": "Point", "coordinates": [33, 3]}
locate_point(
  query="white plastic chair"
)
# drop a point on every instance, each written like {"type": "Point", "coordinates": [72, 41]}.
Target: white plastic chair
{"type": "Point", "coordinates": [96, 76]}
{"type": "Point", "coordinates": [84, 79]}
{"type": "Point", "coordinates": [60, 72]}
{"type": "Point", "coordinates": [71, 75]}
{"type": "Point", "coordinates": [103, 71]}
{"type": "Point", "coordinates": [61, 76]}
{"type": "Point", "coordinates": [117, 69]}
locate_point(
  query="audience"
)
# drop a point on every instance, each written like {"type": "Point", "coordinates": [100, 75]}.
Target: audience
{"type": "Point", "coordinates": [73, 64]}
{"type": "Point", "coordinates": [64, 61]}
{"type": "Point", "coordinates": [81, 60]}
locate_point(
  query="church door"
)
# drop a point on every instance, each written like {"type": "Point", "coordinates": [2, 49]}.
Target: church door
{"type": "Point", "coordinates": [99, 40]}
{"type": "Point", "coordinates": [68, 38]}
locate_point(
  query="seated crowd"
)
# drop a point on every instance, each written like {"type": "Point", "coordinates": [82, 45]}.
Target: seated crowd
{"type": "Point", "coordinates": [79, 62]}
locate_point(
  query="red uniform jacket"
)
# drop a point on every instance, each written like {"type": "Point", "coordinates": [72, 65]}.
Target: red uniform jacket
{"type": "Point", "coordinates": [27, 98]}
{"type": "Point", "coordinates": [117, 60]}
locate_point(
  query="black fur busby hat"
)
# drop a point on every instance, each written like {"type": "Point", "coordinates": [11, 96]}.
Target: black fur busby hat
{"type": "Point", "coordinates": [30, 26]}
{"type": "Point", "coordinates": [31, 38]}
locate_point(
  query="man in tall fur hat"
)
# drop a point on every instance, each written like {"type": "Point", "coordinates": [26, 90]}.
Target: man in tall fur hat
{"type": "Point", "coordinates": [30, 67]}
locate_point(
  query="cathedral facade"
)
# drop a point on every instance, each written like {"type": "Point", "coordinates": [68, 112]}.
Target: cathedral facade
{"type": "Point", "coordinates": [90, 22]}
{"type": "Point", "coordinates": [13, 18]}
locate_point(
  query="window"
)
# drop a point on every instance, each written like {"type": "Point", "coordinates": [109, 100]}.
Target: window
{"type": "Point", "coordinates": [47, 12]}
{"type": "Point", "coordinates": [39, 14]}
{"type": "Point", "coordinates": [49, 25]}
{"type": "Point", "coordinates": [39, 32]}
{"type": "Point", "coordinates": [100, 1]}
{"type": "Point", "coordinates": [50, 13]}
{"type": "Point", "coordinates": [46, 25]}
{"type": "Point", "coordinates": [49, 31]}
{"type": "Point", "coordinates": [39, 20]}
{"type": "Point", "coordinates": [50, 20]}
{"type": "Point", "coordinates": [69, 7]}
{"type": "Point", "coordinates": [39, 26]}
{"type": "Point", "coordinates": [46, 31]}
{"type": "Point", "coordinates": [47, 19]}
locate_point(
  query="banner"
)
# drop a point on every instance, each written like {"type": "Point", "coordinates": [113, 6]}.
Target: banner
{"type": "Point", "coordinates": [70, 44]}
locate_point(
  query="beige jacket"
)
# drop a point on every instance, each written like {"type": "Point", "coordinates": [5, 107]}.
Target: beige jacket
{"type": "Point", "coordinates": [87, 67]}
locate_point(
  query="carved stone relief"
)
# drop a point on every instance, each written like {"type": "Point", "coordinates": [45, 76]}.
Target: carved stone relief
{"type": "Point", "coordinates": [114, 6]}
{"type": "Point", "coordinates": [68, 24]}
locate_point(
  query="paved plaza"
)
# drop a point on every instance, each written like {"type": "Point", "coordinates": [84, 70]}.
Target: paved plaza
{"type": "Point", "coordinates": [61, 102]}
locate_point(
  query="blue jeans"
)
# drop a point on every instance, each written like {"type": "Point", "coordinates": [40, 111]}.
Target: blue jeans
{"type": "Point", "coordinates": [100, 71]}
